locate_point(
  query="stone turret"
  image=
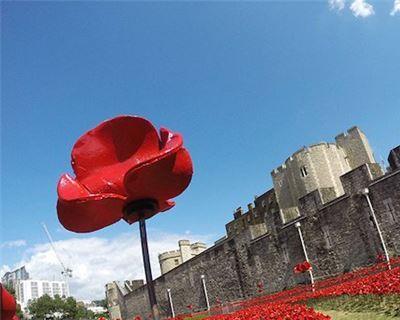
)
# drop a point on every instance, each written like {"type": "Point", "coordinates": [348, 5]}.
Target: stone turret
{"type": "Point", "coordinates": [171, 259]}
{"type": "Point", "coordinates": [319, 166]}
{"type": "Point", "coordinates": [184, 248]}
{"type": "Point", "coordinates": [356, 147]}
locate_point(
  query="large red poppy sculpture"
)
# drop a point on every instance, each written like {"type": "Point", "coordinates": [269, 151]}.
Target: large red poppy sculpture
{"type": "Point", "coordinates": [8, 305]}
{"type": "Point", "coordinates": [124, 169]}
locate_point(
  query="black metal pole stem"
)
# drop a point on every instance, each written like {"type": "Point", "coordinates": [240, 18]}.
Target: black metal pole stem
{"type": "Point", "coordinates": [147, 269]}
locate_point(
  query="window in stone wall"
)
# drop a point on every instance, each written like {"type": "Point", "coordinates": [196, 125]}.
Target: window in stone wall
{"type": "Point", "coordinates": [303, 171]}
{"type": "Point", "coordinates": [327, 237]}
{"type": "Point", "coordinates": [176, 262]}
{"type": "Point", "coordinates": [389, 208]}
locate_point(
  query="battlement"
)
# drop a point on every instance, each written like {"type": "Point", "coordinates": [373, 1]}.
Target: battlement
{"type": "Point", "coordinates": [184, 243]}
{"type": "Point", "coordinates": [304, 150]}
{"type": "Point", "coordinates": [169, 255]}
{"type": "Point", "coordinates": [354, 130]}
{"type": "Point", "coordinates": [279, 169]}
{"type": "Point", "coordinates": [197, 245]}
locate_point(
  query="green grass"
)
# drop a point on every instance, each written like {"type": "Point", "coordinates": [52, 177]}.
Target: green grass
{"type": "Point", "coordinates": [198, 317]}
{"type": "Point", "coordinates": [343, 315]}
{"type": "Point", "coordinates": [388, 305]}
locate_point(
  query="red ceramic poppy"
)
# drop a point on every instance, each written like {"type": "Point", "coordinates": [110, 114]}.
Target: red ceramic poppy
{"type": "Point", "coordinates": [8, 305]}
{"type": "Point", "coordinates": [302, 267]}
{"type": "Point", "coordinates": [120, 162]}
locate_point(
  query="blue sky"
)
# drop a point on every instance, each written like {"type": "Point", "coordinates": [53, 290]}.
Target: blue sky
{"type": "Point", "coordinates": [246, 83]}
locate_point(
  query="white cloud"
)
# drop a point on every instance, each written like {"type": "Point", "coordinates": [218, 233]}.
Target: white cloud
{"type": "Point", "coordinates": [337, 4]}
{"type": "Point", "coordinates": [361, 8]}
{"type": "Point", "coordinates": [13, 244]}
{"type": "Point", "coordinates": [396, 7]}
{"type": "Point", "coordinates": [3, 269]}
{"type": "Point", "coordinates": [96, 261]}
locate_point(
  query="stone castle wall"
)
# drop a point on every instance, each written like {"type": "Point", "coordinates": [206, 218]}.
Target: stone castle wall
{"type": "Point", "coordinates": [339, 236]}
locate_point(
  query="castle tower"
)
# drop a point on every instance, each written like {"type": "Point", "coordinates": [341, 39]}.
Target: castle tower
{"type": "Point", "coordinates": [184, 248]}
{"type": "Point", "coordinates": [356, 147]}
{"type": "Point", "coordinates": [319, 166]}
{"type": "Point", "coordinates": [171, 259]}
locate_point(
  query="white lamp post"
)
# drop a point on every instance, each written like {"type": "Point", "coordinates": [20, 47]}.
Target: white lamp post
{"type": "Point", "coordinates": [203, 281]}
{"type": "Point", "coordinates": [171, 305]}
{"type": "Point", "coordinates": [365, 192]}
{"type": "Point", "coordinates": [298, 227]}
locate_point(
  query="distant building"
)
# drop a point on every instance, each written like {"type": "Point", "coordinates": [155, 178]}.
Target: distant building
{"type": "Point", "coordinates": [92, 306]}
{"type": "Point", "coordinates": [171, 259]}
{"type": "Point", "coordinates": [10, 278]}
{"type": "Point", "coordinates": [319, 166]}
{"type": "Point", "coordinates": [115, 291]}
{"type": "Point", "coordinates": [28, 290]}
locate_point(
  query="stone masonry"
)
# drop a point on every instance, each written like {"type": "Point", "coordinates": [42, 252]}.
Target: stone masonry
{"type": "Point", "coordinates": [339, 235]}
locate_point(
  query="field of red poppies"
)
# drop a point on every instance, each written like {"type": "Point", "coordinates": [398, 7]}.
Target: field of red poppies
{"type": "Point", "coordinates": [290, 304]}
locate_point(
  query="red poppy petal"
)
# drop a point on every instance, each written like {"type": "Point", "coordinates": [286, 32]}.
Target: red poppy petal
{"type": "Point", "coordinates": [170, 141]}
{"type": "Point", "coordinates": [8, 301]}
{"type": "Point", "coordinates": [121, 139]}
{"type": "Point", "coordinates": [160, 179]}
{"type": "Point", "coordinates": [8, 305]}
{"type": "Point", "coordinates": [90, 213]}
{"type": "Point", "coordinates": [70, 189]}
{"type": "Point", "coordinates": [165, 205]}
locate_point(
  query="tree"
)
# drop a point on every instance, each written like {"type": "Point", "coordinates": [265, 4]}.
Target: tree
{"type": "Point", "coordinates": [101, 303]}
{"type": "Point", "coordinates": [42, 308]}
{"type": "Point", "coordinates": [46, 307]}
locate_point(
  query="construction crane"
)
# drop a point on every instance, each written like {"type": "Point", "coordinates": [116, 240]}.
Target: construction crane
{"type": "Point", "coordinates": [66, 272]}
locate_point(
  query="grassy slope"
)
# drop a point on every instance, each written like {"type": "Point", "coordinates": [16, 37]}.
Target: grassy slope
{"type": "Point", "coordinates": [388, 305]}
{"type": "Point", "coordinates": [343, 315]}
